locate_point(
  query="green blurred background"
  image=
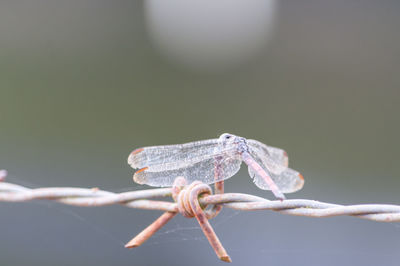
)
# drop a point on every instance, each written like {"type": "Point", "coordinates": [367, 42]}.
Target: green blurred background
{"type": "Point", "coordinates": [82, 83]}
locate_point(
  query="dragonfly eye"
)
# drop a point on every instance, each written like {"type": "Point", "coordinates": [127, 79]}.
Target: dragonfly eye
{"type": "Point", "coordinates": [226, 136]}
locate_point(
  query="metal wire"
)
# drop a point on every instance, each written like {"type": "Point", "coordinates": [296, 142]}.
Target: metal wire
{"type": "Point", "coordinates": [143, 199]}
{"type": "Point", "coordinates": [192, 201]}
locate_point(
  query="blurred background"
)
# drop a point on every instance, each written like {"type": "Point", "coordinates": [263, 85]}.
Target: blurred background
{"type": "Point", "coordinates": [83, 83]}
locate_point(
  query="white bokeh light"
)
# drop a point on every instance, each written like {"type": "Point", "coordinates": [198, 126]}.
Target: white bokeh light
{"type": "Point", "coordinates": [207, 34]}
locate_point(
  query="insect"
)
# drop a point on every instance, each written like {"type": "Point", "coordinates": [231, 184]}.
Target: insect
{"type": "Point", "coordinates": [215, 160]}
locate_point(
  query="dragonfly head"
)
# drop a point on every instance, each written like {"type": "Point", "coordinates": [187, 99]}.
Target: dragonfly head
{"type": "Point", "coordinates": [227, 138]}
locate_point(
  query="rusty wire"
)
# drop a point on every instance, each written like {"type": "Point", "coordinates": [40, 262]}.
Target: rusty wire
{"type": "Point", "coordinates": [92, 197]}
{"type": "Point", "coordinates": [190, 202]}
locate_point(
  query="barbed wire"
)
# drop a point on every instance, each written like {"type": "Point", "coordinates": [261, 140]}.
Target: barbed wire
{"type": "Point", "coordinates": [190, 201]}
{"type": "Point", "coordinates": [92, 197]}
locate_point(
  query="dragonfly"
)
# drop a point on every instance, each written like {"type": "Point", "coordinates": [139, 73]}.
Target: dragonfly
{"type": "Point", "coordinates": [215, 160]}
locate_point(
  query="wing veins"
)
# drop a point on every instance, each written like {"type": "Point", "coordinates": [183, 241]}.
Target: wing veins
{"type": "Point", "coordinates": [168, 153]}
{"type": "Point", "coordinates": [175, 165]}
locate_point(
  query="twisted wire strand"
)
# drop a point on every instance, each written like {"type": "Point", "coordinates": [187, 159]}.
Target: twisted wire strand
{"type": "Point", "coordinates": [144, 199]}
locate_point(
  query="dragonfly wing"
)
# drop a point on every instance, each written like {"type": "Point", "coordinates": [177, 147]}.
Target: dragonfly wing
{"type": "Point", "coordinates": [263, 157]}
{"type": "Point", "coordinates": [276, 154]}
{"type": "Point", "coordinates": [287, 180]}
{"type": "Point", "coordinates": [147, 156]}
{"type": "Point", "coordinates": [208, 170]}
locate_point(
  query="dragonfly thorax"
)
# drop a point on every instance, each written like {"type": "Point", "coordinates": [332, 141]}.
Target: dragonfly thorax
{"type": "Point", "coordinates": [242, 145]}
